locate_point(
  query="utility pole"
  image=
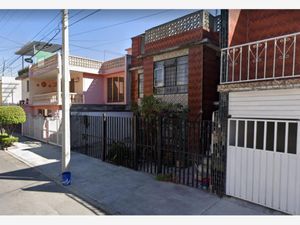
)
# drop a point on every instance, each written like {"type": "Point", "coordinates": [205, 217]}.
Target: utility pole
{"type": "Point", "coordinates": [66, 154]}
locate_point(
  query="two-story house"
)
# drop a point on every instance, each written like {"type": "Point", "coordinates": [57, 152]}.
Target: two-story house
{"type": "Point", "coordinates": [178, 62]}
{"type": "Point", "coordinates": [94, 84]}
{"type": "Point", "coordinates": [260, 92]}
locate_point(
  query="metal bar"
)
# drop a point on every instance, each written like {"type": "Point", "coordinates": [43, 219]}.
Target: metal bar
{"type": "Point", "coordinates": [256, 61]}
{"type": "Point", "coordinates": [283, 56]}
{"type": "Point", "coordinates": [227, 59]}
{"type": "Point", "coordinates": [294, 55]}
{"type": "Point", "coordinates": [274, 61]}
{"type": "Point", "coordinates": [265, 62]}
{"type": "Point", "coordinates": [263, 40]}
{"type": "Point", "coordinates": [134, 130]}
{"type": "Point", "coordinates": [103, 137]}
{"type": "Point", "coordinates": [233, 64]}
{"type": "Point", "coordinates": [241, 59]}
{"type": "Point", "coordinates": [248, 69]}
{"type": "Point", "coordinates": [259, 79]}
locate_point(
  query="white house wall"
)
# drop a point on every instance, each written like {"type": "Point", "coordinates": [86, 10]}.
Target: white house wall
{"type": "Point", "coordinates": [277, 104]}
{"type": "Point", "coordinates": [11, 90]}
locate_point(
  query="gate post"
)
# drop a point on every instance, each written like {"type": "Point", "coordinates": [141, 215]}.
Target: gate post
{"type": "Point", "coordinates": [159, 144]}
{"type": "Point", "coordinates": [103, 137]}
{"type": "Point", "coordinates": [134, 129]}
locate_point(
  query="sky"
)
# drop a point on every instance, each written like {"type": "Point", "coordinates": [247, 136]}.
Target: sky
{"type": "Point", "coordinates": [103, 35]}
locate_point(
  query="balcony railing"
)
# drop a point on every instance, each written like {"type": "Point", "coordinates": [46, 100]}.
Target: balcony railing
{"type": "Point", "coordinates": [51, 99]}
{"type": "Point", "coordinates": [52, 63]}
{"type": "Point", "coordinates": [84, 62]}
{"type": "Point", "coordinates": [268, 59]}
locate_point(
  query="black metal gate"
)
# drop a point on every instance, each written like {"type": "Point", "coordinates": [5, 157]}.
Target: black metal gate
{"type": "Point", "coordinates": [173, 149]}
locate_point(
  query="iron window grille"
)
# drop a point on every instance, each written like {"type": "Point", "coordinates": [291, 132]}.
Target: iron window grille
{"type": "Point", "coordinates": [171, 76]}
{"type": "Point", "coordinates": [141, 85]}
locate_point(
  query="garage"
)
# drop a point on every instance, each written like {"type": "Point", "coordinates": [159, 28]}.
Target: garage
{"type": "Point", "coordinates": [263, 163]}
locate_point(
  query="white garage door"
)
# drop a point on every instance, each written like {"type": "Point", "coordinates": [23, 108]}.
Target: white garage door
{"type": "Point", "coordinates": [263, 157]}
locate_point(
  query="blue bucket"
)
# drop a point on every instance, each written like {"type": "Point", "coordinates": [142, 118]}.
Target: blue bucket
{"type": "Point", "coordinates": [66, 178]}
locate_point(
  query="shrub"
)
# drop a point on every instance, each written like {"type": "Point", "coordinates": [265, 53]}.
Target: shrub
{"type": "Point", "coordinates": [164, 177]}
{"type": "Point", "coordinates": [7, 140]}
{"type": "Point", "coordinates": [152, 107]}
{"type": "Point", "coordinates": [119, 154]}
{"type": "Point", "coordinates": [11, 116]}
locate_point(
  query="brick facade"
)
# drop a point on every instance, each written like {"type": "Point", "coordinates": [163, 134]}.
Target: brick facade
{"type": "Point", "coordinates": [190, 42]}
{"type": "Point", "coordinates": [252, 25]}
{"type": "Point", "coordinates": [246, 26]}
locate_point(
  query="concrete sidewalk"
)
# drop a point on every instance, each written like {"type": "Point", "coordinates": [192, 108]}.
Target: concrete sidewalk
{"type": "Point", "coordinates": [119, 190]}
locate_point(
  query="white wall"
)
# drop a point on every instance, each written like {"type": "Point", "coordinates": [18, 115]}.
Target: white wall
{"type": "Point", "coordinates": [11, 90]}
{"type": "Point", "coordinates": [87, 83]}
{"type": "Point", "coordinates": [25, 94]}
{"type": "Point", "coordinates": [283, 103]}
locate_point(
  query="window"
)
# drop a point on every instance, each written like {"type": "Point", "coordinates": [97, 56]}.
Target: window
{"type": "Point", "coordinates": [232, 132]}
{"type": "Point", "coordinates": [241, 134]}
{"type": "Point", "coordinates": [280, 136]}
{"type": "Point", "coordinates": [141, 85]}
{"type": "Point", "coordinates": [292, 138]}
{"type": "Point", "coordinates": [260, 135]}
{"type": "Point", "coordinates": [27, 85]}
{"type": "Point", "coordinates": [250, 134]}
{"type": "Point", "coordinates": [159, 74]}
{"type": "Point", "coordinates": [270, 136]}
{"type": "Point", "coordinates": [171, 76]}
{"type": "Point", "coordinates": [115, 89]}
{"type": "Point", "coordinates": [182, 71]}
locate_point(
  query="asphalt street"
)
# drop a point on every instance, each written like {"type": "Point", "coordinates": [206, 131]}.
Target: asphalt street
{"type": "Point", "coordinates": [25, 191]}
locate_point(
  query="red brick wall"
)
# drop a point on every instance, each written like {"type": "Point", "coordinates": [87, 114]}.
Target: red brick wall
{"type": "Point", "coordinates": [196, 69]}
{"type": "Point", "coordinates": [251, 25]}
{"type": "Point", "coordinates": [179, 39]}
{"type": "Point", "coordinates": [134, 86]}
{"type": "Point", "coordinates": [211, 71]}
{"type": "Point", "coordinates": [136, 50]}
{"type": "Point", "coordinates": [195, 82]}
{"type": "Point", "coordinates": [148, 75]}
{"type": "Point", "coordinates": [135, 62]}
{"type": "Point", "coordinates": [254, 25]}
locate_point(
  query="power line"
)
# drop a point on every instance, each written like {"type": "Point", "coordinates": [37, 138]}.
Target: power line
{"type": "Point", "coordinates": [117, 24]}
{"type": "Point", "coordinates": [10, 64]}
{"type": "Point", "coordinates": [76, 14]}
{"type": "Point", "coordinates": [8, 39]}
{"type": "Point", "coordinates": [39, 32]}
{"type": "Point", "coordinates": [14, 29]}
{"type": "Point", "coordinates": [46, 25]}
{"type": "Point", "coordinates": [77, 21]}
{"type": "Point", "coordinates": [92, 49]}
{"type": "Point", "coordinates": [58, 31]}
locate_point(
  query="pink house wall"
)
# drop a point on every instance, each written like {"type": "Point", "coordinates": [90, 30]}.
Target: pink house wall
{"type": "Point", "coordinates": [94, 93]}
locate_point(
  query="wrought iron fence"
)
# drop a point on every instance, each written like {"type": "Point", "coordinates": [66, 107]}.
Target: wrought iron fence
{"type": "Point", "coordinates": [173, 149]}
{"type": "Point", "coordinates": [268, 59]}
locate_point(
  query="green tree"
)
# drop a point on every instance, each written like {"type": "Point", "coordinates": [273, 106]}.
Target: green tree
{"type": "Point", "coordinates": [11, 116]}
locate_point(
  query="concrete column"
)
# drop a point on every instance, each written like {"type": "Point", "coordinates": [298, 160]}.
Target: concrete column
{"type": "Point", "coordinates": [66, 153]}
{"type": "Point", "coordinates": [58, 79]}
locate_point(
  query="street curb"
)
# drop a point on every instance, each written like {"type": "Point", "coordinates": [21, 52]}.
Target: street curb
{"type": "Point", "coordinates": [94, 203]}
